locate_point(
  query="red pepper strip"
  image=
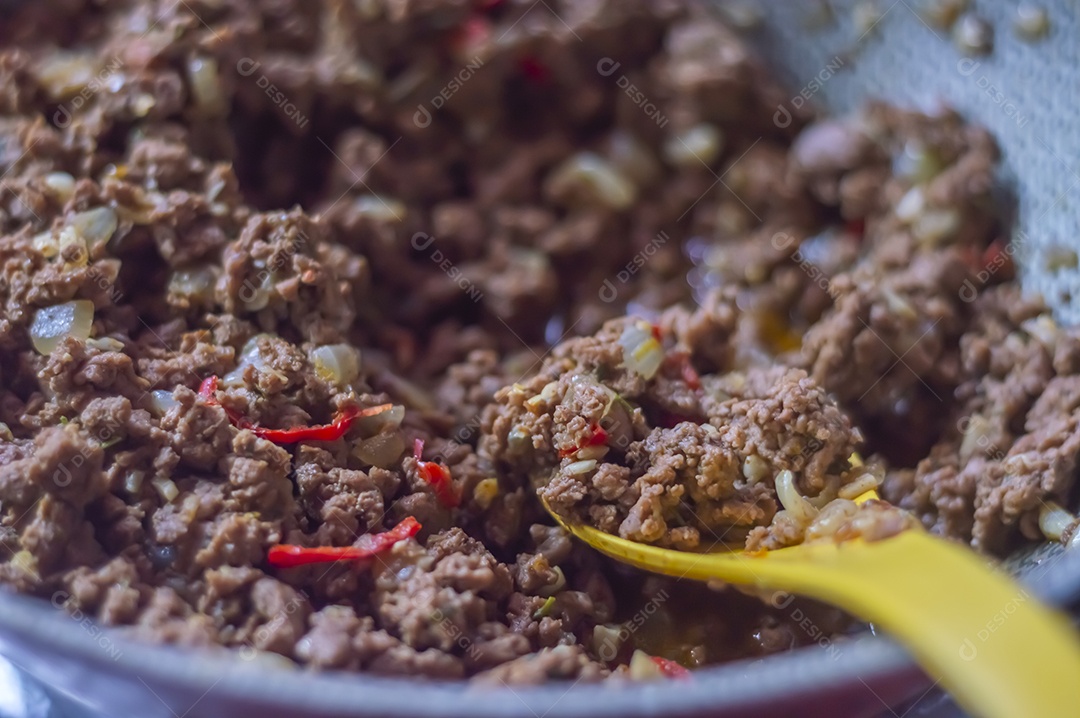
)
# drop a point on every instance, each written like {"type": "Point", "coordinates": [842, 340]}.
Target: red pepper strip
{"type": "Point", "coordinates": [534, 70]}
{"type": "Point", "coordinates": [467, 37]}
{"type": "Point", "coordinates": [437, 475]}
{"type": "Point", "coordinates": [686, 369]}
{"type": "Point", "coordinates": [208, 388]}
{"type": "Point", "coordinates": [208, 391]}
{"type": "Point", "coordinates": [597, 437]}
{"type": "Point", "coordinates": [690, 375]}
{"type": "Point", "coordinates": [367, 546]}
{"type": "Point", "coordinates": [670, 669]}
{"type": "Point", "coordinates": [996, 256]}
{"type": "Point", "coordinates": [856, 227]}
{"type": "Point", "coordinates": [656, 333]}
{"type": "Point", "coordinates": [328, 432]}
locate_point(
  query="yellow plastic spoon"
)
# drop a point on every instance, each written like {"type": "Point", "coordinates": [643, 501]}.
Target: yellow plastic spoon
{"type": "Point", "coordinates": [997, 650]}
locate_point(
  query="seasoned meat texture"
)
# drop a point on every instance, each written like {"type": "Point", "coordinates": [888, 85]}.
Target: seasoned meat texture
{"type": "Point", "coordinates": [1011, 445]}
{"type": "Point", "coordinates": [889, 349]}
{"type": "Point", "coordinates": [684, 481]}
{"type": "Point", "coordinates": [495, 269]}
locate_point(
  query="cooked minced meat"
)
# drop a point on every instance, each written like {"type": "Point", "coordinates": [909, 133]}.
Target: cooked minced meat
{"type": "Point", "coordinates": [367, 277]}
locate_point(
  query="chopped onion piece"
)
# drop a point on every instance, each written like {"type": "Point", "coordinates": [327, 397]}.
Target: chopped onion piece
{"type": "Point", "coordinates": [973, 35]}
{"type": "Point", "coordinates": [606, 640]}
{"type": "Point", "coordinates": [251, 353]}
{"type": "Point", "coordinates": [858, 487]}
{"type": "Point", "coordinates": [742, 15]}
{"type": "Point", "coordinates": [1032, 22]}
{"type": "Point", "coordinates": [133, 481]}
{"type": "Point", "coordinates": [106, 344]}
{"type": "Point", "coordinates": [917, 163]}
{"type": "Point", "coordinates": [1043, 329]}
{"type": "Point", "coordinates": [337, 363]}
{"type": "Point", "coordinates": [828, 492]}
{"type": "Point", "coordinates": [192, 285]}
{"type": "Point", "coordinates": [642, 353]}
{"type": "Point", "coordinates": [834, 515]}
{"type": "Point", "coordinates": [73, 249]}
{"type": "Point", "coordinates": [697, 146]}
{"type": "Point", "coordinates": [47, 244]}
{"type": "Point", "coordinates": [255, 298]}
{"type": "Point", "coordinates": [205, 86]}
{"type": "Point", "coordinates": [590, 180]}
{"type": "Point", "coordinates": [898, 305]}
{"type": "Point", "coordinates": [382, 450]}
{"type": "Point", "coordinates": [1054, 520]}
{"type": "Point", "coordinates": [936, 225]}
{"type": "Point", "coordinates": [643, 667]}
{"type": "Point", "coordinates": [578, 468]}
{"type": "Point", "coordinates": [631, 157]}
{"type": "Point", "coordinates": [166, 489]}
{"type": "Point", "coordinates": [161, 402]}
{"type": "Point", "coordinates": [65, 74]}
{"type": "Point", "coordinates": [62, 185]}
{"type": "Point", "coordinates": [389, 419]}
{"type": "Point", "coordinates": [26, 562]}
{"type": "Point", "coordinates": [866, 15]}
{"type": "Point", "coordinates": [379, 209]}
{"type": "Point", "coordinates": [552, 588]}
{"type": "Point", "coordinates": [942, 13]}
{"type": "Point", "coordinates": [591, 452]}
{"type": "Point", "coordinates": [792, 501]}
{"type": "Point", "coordinates": [51, 324]}
{"type": "Point", "coordinates": [142, 104]}
{"type": "Point", "coordinates": [96, 226]}
{"type": "Point", "coordinates": [911, 205]}
{"type": "Point", "coordinates": [755, 469]}
{"type": "Point", "coordinates": [977, 437]}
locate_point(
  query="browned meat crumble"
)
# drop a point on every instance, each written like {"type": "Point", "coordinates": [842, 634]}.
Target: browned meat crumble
{"type": "Point", "coordinates": [463, 210]}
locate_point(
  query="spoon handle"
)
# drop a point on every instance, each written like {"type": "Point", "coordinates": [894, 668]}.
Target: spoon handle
{"type": "Point", "coordinates": [993, 646]}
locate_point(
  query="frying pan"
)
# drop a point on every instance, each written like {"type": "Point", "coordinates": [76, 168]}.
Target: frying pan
{"type": "Point", "coordinates": [1025, 94]}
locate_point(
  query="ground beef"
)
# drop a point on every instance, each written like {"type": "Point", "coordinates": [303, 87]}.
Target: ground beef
{"type": "Point", "coordinates": [1010, 445]}
{"type": "Point", "coordinates": [452, 209]}
{"type": "Point", "coordinates": [666, 460]}
{"type": "Point", "coordinates": [558, 663]}
{"type": "Point", "coordinates": [889, 349]}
